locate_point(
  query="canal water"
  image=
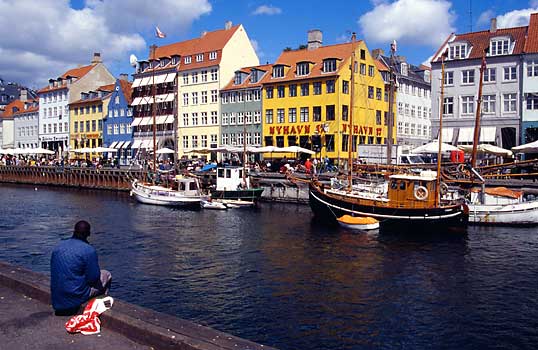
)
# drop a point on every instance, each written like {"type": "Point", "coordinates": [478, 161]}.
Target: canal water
{"type": "Point", "coordinates": [276, 277]}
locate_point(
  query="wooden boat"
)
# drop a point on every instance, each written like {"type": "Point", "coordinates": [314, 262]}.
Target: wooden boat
{"type": "Point", "coordinates": [234, 184]}
{"type": "Point", "coordinates": [186, 195]}
{"type": "Point", "coordinates": [358, 222]}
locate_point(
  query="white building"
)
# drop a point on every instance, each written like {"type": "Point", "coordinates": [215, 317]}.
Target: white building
{"type": "Point", "coordinates": [26, 127]}
{"type": "Point", "coordinates": [55, 98]}
{"type": "Point", "coordinates": [529, 101]}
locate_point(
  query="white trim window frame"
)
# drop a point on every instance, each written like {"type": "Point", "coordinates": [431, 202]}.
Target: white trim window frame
{"type": "Point", "coordinates": [488, 104]}
{"type": "Point", "coordinates": [467, 105]}
{"type": "Point", "coordinates": [510, 73]}
{"type": "Point", "coordinates": [467, 77]}
{"type": "Point", "coordinates": [490, 75]}
{"type": "Point", "coordinates": [510, 102]}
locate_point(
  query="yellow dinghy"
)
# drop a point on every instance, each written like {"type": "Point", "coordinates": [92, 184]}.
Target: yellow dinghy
{"type": "Point", "coordinates": [358, 222]}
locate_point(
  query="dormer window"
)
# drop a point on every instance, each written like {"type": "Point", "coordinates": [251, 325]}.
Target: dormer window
{"type": "Point", "coordinates": [499, 46]}
{"type": "Point", "coordinates": [187, 59]}
{"type": "Point", "coordinates": [254, 76]}
{"type": "Point", "coordinates": [329, 65]}
{"type": "Point", "coordinates": [303, 68]}
{"type": "Point", "coordinates": [278, 71]}
{"type": "Point", "coordinates": [404, 68]}
{"type": "Point", "coordinates": [175, 60]}
{"type": "Point", "coordinates": [162, 63]}
{"type": "Point", "coordinates": [457, 51]}
{"type": "Point", "coordinates": [237, 79]}
{"type": "Point", "coordinates": [213, 55]}
{"type": "Point", "coordinates": [200, 57]}
{"type": "Point", "coordinates": [427, 76]}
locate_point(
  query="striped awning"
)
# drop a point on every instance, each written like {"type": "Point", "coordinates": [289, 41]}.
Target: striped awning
{"type": "Point", "coordinates": [136, 82]}
{"type": "Point", "coordinates": [170, 77]}
{"type": "Point", "coordinates": [136, 121]}
{"type": "Point", "coordinates": [113, 144]}
{"type": "Point", "coordinates": [126, 144]}
{"type": "Point", "coordinates": [136, 144]}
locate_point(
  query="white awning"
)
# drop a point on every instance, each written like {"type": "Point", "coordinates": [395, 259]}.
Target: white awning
{"type": "Point", "coordinates": [160, 119]}
{"type": "Point", "coordinates": [487, 134]}
{"type": "Point", "coordinates": [126, 144]}
{"type": "Point", "coordinates": [136, 121]}
{"type": "Point", "coordinates": [118, 146]}
{"type": "Point", "coordinates": [136, 144]}
{"type": "Point", "coordinates": [136, 82]}
{"type": "Point", "coordinates": [146, 100]}
{"type": "Point", "coordinates": [146, 121]}
{"type": "Point", "coordinates": [145, 81]}
{"type": "Point", "coordinates": [161, 98]}
{"type": "Point", "coordinates": [113, 144]}
{"type": "Point", "coordinates": [466, 135]}
{"type": "Point", "coordinates": [170, 77]}
{"type": "Point", "coordinates": [169, 119]}
{"type": "Point", "coordinates": [159, 79]}
{"type": "Point", "coordinates": [447, 135]}
{"type": "Point", "coordinates": [136, 101]}
{"type": "Point", "coordinates": [147, 144]}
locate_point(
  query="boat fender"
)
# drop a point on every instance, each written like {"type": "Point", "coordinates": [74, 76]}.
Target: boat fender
{"type": "Point", "coordinates": [421, 193]}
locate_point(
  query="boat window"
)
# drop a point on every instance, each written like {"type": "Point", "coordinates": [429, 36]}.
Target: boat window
{"type": "Point", "coordinates": [228, 173]}
{"type": "Point", "coordinates": [393, 185]}
{"type": "Point", "coordinates": [402, 185]}
{"type": "Point", "coordinates": [182, 186]}
{"type": "Point", "coordinates": [220, 172]}
{"type": "Point", "coordinates": [192, 186]}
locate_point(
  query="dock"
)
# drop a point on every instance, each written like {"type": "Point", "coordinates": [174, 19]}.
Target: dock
{"type": "Point", "coordinates": [28, 322]}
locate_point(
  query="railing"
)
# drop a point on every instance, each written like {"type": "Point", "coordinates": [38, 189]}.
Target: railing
{"type": "Point", "coordinates": [105, 178]}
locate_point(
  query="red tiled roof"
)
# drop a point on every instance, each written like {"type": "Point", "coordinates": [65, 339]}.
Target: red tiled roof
{"type": "Point", "coordinates": [28, 110]}
{"type": "Point", "coordinates": [247, 83]}
{"type": "Point", "coordinates": [75, 72]}
{"type": "Point", "coordinates": [109, 87]}
{"type": "Point", "coordinates": [531, 46]}
{"type": "Point", "coordinates": [381, 66]}
{"type": "Point", "coordinates": [127, 90]}
{"type": "Point", "coordinates": [89, 100]}
{"type": "Point", "coordinates": [291, 58]}
{"type": "Point", "coordinates": [8, 112]}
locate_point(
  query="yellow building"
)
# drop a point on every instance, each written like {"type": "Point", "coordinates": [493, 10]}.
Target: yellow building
{"type": "Point", "coordinates": [307, 99]}
{"type": "Point", "coordinates": [87, 114]}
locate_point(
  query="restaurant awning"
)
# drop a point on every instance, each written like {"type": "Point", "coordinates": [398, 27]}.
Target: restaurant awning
{"type": "Point", "coordinates": [145, 81]}
{"type": "Point", "coordinates": [136, 121]}
{"type": "Point", "coordinates": [136, 144]}
{"type": "Point", "coordinates": [136, 82]}
{"type": "Point", "coordinates": [170, 77]}
{"type": "Point", "coordinates": [487, 134]}
{"type": "Point", "coordinates": [126, 144]}
{"type": "Point", "coordinates": [113, 144]}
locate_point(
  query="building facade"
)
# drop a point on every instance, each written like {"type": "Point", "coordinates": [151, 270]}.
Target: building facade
{"type": "Point", "coordinates": [26, 126]}
{"type": "Point", "coordinates": [117, 131]}
{"type": "Point", "coordinates": [11, 91]}
{"type": "Point", "coordinates": [307, 99]}
{"type": "Point", "coordinates": [529, 72]}
{"type": "Point", "coordinates": [54, 101]}
{"type": "Point", "coordinates": [501, 112]}
{"type": "Point", "coordinates": [241, 108]}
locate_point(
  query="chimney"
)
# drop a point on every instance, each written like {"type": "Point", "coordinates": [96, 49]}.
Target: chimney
{"type": "Point", "coordinates": [124, 76]}
{"type": "Point", "coordinates": [493, 26]}
{"type": "Point", "coordinates": [228, 25]}
{"type": "Point", "coordinates": [24, 95]}
{"type": "Point", "coordinates": [377, 52]}
{"type": "Point", "coordinates": [315, 38]}
{"type": "Point", "coordinates": [96, 58]}
{"type": "Point", "coordinates": [205, 32]}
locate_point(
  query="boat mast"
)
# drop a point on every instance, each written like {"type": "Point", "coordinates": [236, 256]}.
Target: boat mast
{"type": "Point", "coordinates": [350, 140]}
{"type": "Point", "coordinates": [440, 138]}
{"type": "Point", "coordinates": [154, 110]}
{"type": "Point", "coordinates": [244, 136]}
{"type": "Point", "coordinates": [390, 118]}
{"type": "Point", "coordinates": [476, 135]}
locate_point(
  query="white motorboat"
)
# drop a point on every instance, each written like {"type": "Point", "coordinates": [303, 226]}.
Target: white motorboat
{"type": "Point", "coordinates": [215, 205]}
{"type": "Point", "coordinates": [187, 194]}
{"type": "Point", "coordinates": [502, 206]}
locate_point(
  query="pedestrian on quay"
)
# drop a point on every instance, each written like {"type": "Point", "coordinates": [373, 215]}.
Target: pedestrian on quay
{"type": "Point", "coordinates": [75, 276]}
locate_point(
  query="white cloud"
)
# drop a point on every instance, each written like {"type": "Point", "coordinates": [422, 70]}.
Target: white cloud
{"type": "Point", "coordinates": [515, 18]}
{"type": "Point", "coordinates": [485, 18]}
{"type": "Point", "coordinates": [267, 10]}
{"type": "Point", "coordinates": [533, 4]}
{"type": "Point", "coordinates": [52, 37]}
{"type": "Point", "coordinates": [428, 61]}
{"type": "Point", "coordinates": [256, 47]}
{"type": "Point", "coordinates": [412, 22]}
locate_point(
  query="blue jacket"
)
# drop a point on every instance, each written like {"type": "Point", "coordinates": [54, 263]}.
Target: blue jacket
{"type": "Point", "coordinates": [74, 269]}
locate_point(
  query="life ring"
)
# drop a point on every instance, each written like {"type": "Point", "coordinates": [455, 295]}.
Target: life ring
{"type": "Point", "coordinates": [443, 189]}
{"type": "Point", "coordinates": [421, 193]}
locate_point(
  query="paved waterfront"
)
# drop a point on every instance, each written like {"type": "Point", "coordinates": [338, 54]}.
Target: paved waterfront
{"type": "Point", "coordinates": [275, 277]}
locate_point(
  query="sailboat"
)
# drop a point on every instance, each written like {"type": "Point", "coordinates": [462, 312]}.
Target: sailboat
{"type": "Point", "coordinates": [183, 191]}
{"type": "Point", "coordinates": [499, 205]}
{"type": "Point", "coordinates": [409, 199]}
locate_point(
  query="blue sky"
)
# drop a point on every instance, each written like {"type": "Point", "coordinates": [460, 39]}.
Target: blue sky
{"type": "Point", "coordinates": [68, 32]}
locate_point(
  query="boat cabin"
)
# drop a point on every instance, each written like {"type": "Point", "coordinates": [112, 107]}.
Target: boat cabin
{"type": "Point", "coordinates": [417, 189]}
{"type": "Point", "coordinates": [186, 185]}
{"type": "Point", "coordinates": [231, 179]}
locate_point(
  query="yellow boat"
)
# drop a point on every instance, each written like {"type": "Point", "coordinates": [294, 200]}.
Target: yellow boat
{"type": "Point", "coordinates": [358, 222]}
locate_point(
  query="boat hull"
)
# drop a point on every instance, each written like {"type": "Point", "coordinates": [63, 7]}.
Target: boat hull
{"type": "Point", "coordinates": [360, 226]}
{"type": "Point", "coordinates": [252, 195]}
{"type": "Point", "coordinates": [525, 213]}
{"type": "Point", "coordinates": [329, 209]}
{"type": "Point", "coordinates": [144, 194]}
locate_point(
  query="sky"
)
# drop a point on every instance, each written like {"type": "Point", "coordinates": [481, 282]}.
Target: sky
{"type": "Point", "coordinates": [44, 38]}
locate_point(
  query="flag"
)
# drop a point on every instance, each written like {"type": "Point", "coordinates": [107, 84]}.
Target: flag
{"type": "Point", "coordinates": [158, 33]}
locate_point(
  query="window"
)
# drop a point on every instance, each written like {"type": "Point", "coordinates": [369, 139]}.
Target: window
{"type": "Point", "coordinates": [371, 71]}
{"type": "Point", "coordinates": [194, 118]}
{"type": "Point", "coordinates": [363, 54]}
{"type": "Point", "coordinates": [232, 119]}
{"type": "Point", "coordinates": [363, 69]}
{"type": "Point", "coordinates": [280, 141]}
{"type": "Point", "coordinates": [185, 99]}
{"type": "Point", "coordinates": [419, 111]}
{"type": "Point", "coordinates": [204, 118]}
{"type": "Point", "coordinates": [345, 86]}
{"type": "Point", "coordinates": [240, 96]}
{"type": "Point", "coordinates": [292, 115]}
{"type": "Point", "coordinates": [499, 47]}
{"type": "Point", "coordinates": [194, 141]}
{"type": "Point", "coordinates": [257, 117]}
{"type": "Point", "coordinates": [214, 96]}
{"type": "Point", "coordinates": [292, 90]}
{"type": "Point", "coordinates": [224, 139]}
{"type": "Point", "coordinates": [488, 103]}
{"type": "Point", "coordinates": [194, 96]}
{"type": "Point", "coordinates": [467, 105]}
{"type": "Point", "coordinates": [224, 118]}
{"type": "Point", "coordinates": [316, 113]}
{"type": "Point", "coordinates": [269, 116]}
{"type": "Point", "coordinates": [278, 71]}
{"type": "Point", "coordinates": [510, 73]}
{"type": "Point", "coordinates": [280, 91]}
{"type": "Point", "coordinates": [532, 69]}
{"type": "Point", "coordinates": [329, 112]}
{"type": "Point", "coordinates": [213, 55]}
{"type": "Point", "coordinates": [304, 114]}
{"type": "Point", "coordinates": [448, 105]}
{"type": "Point", "coordinates": [240, 118]}
{"type": "Point", "coordinates": [330, 86]}
{"type": "Point", "coordinates": [199, 57]}
{"type": "Point", "coordinates": [509, 102]}
{"type": "Point", "coordinates": [467, 76]}
{"type": "Point", "coordinates": [269, 92]}
{"type": "Point", "coordinates": [185, 78]}
{"type": "Point", "coordinates": [532, 101]}
{"type": "Point", "coordinates": [490, 75]}
{"type": "Point", "coordinates": [204, 140]}
{"type": "Point", "coordinates": [370, 92]}
{"type": "Point", "coordinates": [449, 78]}
{"type": "Point", "coordinates": [87, 126]}
{"type": "Point", "coordinates": [194, 77]}
{"type": "Point", "coordinates": [185, 119]}
{"type": "Point", "coordinates": [413, 111]}
{"type": "Point", "coordinates": [204, 96]}
{"type": "Point", "coordinates": [94, 126]}
{"type": "Point", "coordinates": [305, 89]}
{"type": "Point", "coordinates": [457, 51]}
{"type": "Point", "coordinates": [329, 142]}
{"type": "Point", "coordinates": [378, 117]}
{"type": "Point", "coordinates": [316, 88]}
{"type": "Point", "coordinates": [257, 138]}
{"type": "Point", "coordinates": [122, 128]}
{"type": "Point", "coordinates": [404, 68]}
{"type": "Point", "coordinates": [303, 68]}
{"type": "Point", "coordinates": [256, 95]}
{"type": "Point", "coordinates": [214, 76]}
{"type": "Point", "coordinates": [345, 112]}
{"type": "Point", "coordinates": [187, 60]}
{"type": "Point", "coordinates": [248, 117]}
{"type": "Point", "coordinates": [378, 93]}
{"type": "Point", "coordinates": [204, 75]}
{"type": "Point", "coordinates": [214, 118]}
{"type": "Point", "coordinates": [329, 65]}
{"type": "Point", "coordinates": [108, 128]}
{"type": "Point", "coordinates": [407, 109]}
{"type": "Point", "coordinates": [280, 115]}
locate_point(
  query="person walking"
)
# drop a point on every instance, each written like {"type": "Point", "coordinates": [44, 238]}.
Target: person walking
{"type": "Point", "coordinates": [75, 275]}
